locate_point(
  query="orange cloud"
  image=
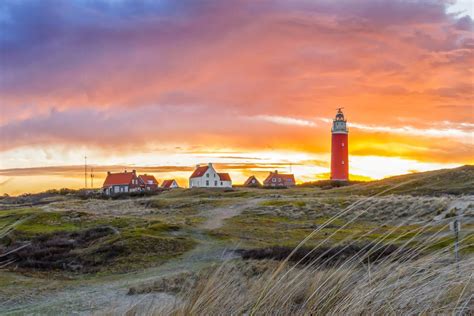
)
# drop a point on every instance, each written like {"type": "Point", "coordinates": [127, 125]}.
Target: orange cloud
{"type": "Point", "coordinates": [128, 80]}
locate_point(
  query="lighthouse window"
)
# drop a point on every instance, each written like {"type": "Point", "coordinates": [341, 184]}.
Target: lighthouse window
{"type": "Point", "coordinates": [342, 144]}
{"type": "Point", "coordinates": [343, 162]}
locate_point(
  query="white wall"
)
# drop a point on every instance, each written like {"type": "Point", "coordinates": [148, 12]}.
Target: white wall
{"type": "Point", "coordinates": [210, 179]}
{"type": "Point", "coordinates": [174, 185]}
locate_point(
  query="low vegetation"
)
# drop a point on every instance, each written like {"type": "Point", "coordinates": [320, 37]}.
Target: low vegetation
{"type": "Point", "coordinates": [84, 243]}
{"type": "Point", "coordinates": [429, 285]}
{"type": "Point", "coordinates": [382, 247]}
{"type": "Point", "coordinates": [456, 181]}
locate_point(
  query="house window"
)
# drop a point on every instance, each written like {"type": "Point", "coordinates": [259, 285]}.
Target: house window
{"type": "Point", "coordinates": [343, 162]}
{"type": "Point", "coordinates": [274, 179]}
{"type": "Point", "coordinates": [221, 183]}
{"type": "Point", "coordinates": [215, 183]}
{"type": "Point", "coordinates": [207, 183]}
{"type": "Point", "coordinates": [207, 175]}
{"type": "Point", "coordinates": [342, 144]}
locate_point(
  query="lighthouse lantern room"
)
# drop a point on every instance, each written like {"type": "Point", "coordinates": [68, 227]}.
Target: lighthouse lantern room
{"type": "Point", "coordinates": [339, 148]}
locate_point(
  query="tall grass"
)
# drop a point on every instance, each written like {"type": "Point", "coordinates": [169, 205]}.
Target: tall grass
{"type": "Point", "coordinates": [410, 280]}
{"type": "Point", "coordinates": [429, 285]}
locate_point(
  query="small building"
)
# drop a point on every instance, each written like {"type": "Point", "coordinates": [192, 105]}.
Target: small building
{"type": "Point", "coordinates": [252, 182]}
{"type": "Point", "coordinates": [281, 180]}
{"type": "Point", "coordinates": [169, 184]}
{"type": "Point", "coordinates": [121, 182]}
{"type": "Point", "coordinates": [148, 182]}
{"type": "Point", "coordinates": [208, 177]}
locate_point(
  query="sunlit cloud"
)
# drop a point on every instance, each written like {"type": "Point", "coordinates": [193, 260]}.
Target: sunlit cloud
{"type": "Point", "coordinates": [463, 134]}
{"type": "Point", "coordinates": [176, 83]}
{"type": "Point", "coordinates": [285, 120]}
{"type": "Point", "coordinates": [458, 134]}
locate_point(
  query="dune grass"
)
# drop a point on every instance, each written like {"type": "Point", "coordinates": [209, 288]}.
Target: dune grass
{"type": "Point", "coordinates": [419, 276]}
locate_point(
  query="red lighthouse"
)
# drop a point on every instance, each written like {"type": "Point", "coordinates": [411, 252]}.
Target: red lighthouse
{"type": "Point", "coordinates": [339, 148]}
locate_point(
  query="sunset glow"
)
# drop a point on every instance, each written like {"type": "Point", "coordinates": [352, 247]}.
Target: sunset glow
{"type": "Point", "coordinates": [253, 86]}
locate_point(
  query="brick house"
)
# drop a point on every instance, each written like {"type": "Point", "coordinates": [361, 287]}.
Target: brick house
{"type": "Point", "coordinates": [121, 182]}
{"type": "Point", "coordinates": [276, 179]}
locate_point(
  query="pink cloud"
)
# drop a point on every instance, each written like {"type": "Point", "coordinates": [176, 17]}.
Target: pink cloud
{"type": "Point", "coordinates": [164, 69]}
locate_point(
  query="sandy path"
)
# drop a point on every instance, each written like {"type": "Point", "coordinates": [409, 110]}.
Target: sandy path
{"type": "Point", "coordinates": [217, 216]}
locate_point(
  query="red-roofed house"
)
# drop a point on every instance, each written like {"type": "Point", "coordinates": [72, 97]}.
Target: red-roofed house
{"type": "Point", "coordinates": [276, 179]}
{"type": "Point", "coordinates": [169, 184]}
{"type": "Point", "coordinates": [122, 182]}
{"type": "Point", "coordinates": [148, 182]}
{"type": "Point", "coordinates": [252, 182]}
{"type": "Point", "coordinates": [208, 177]}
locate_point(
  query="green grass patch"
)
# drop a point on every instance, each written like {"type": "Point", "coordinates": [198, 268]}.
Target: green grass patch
{"type": "Point", "coordinates": [263, 230]}
{"type": "Point", "coordinates": [280, 203]}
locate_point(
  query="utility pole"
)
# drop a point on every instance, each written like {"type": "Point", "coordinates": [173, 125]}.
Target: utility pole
{"type": "Point", "coordinates": [85, 171]}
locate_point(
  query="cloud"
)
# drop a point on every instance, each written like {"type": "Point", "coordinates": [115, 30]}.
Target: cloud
{"type": "Point", "coordinates": [128, 76]}
{"type": "Point", "coordinates": [285, 120]}
{"type": "Point", "coordinates": [459, 135]}
{"type": "Point", "coordinates": [458, 131]}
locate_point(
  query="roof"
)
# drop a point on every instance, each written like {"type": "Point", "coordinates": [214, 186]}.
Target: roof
{"type": "Point", "coordinates": [224, 176]}
{"type": "Point", "coordinates": [121, 178]}
{"type": "Point", "coordinates": [249, 181]}
{"type": "Point", "coordinates": [199, 172]}
{"type": "Point", "coordinates": [147, 177]}
{"type": "Point", "coordinates": [284, 177]}
{"type": "Point", "coordinates": [167, 183]}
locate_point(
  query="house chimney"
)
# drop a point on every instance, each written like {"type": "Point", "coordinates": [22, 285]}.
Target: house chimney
{"type": "Point", "coordinates": [108, 172]}
{"type": "Point", "coordinates": [134, 172]}
{"type": "Point", "coordinates": [197, 166]}
{"type": "Point", "coordinates": [276, 171]}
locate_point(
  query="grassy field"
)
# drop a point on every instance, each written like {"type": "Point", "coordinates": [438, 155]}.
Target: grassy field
{"type": "Point", "coordinates": [64, 252]}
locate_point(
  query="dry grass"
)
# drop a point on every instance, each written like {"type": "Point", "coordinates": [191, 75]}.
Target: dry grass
{"type": "Point", "coordinates": [431, 285]}
{"type": "Point", "coordinates": [401, 282]}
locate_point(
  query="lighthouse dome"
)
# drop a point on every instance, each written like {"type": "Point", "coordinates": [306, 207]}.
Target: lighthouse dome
{"type": "Point", "coordinates": [339, 115]}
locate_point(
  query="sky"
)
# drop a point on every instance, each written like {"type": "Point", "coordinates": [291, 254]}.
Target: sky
{"type": "Point", "coordinates": [160, 86]}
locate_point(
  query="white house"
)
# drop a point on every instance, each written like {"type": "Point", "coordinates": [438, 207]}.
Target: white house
{"type": "Point", "coordinates": [208, 177]}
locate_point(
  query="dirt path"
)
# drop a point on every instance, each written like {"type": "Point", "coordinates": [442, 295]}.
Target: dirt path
{"type": "Point", "coordinates": [216, 217]}
{"type": "Point", "coordinates": [84, 297]}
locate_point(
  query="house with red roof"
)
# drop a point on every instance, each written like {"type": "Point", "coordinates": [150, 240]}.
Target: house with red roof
{"type": "Point", "coordinates": [208, 177]}
{"type": "Point", "coordinates": [281, 180]}
{"type": "Point", "coordinates": [252, 182]}
{"type": "Point", "coordinates": [169, 184]}
{"type": "Point", "coordinates": [121, 182]}
{"type": "Point", "coordinates": [148, 182]}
